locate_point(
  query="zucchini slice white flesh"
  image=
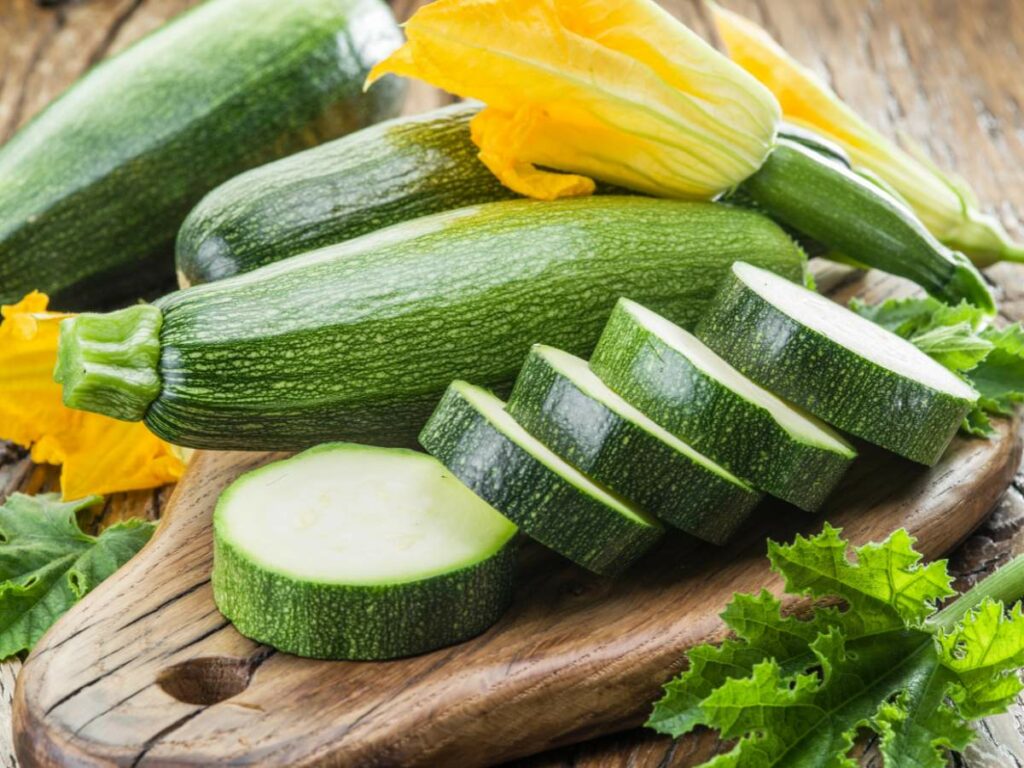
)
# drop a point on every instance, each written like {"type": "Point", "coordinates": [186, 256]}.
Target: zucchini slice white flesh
{"type": "Point", "coordinates": [356, 552]}
{"type": "Point", "coordinates": [473, 435]}
{"type": "Point", "coordinates": [838, 365]}
{"type": "Point", "coordinates": [681, 384]}
{"type": "Point", "coordinates": [561, 402]}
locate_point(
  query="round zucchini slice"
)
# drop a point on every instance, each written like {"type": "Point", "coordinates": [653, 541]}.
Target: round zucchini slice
{"type": "Point", "coordinates": [839, 366]}
{"type": "Point", "coordinates": [473, 435]}
{"type": "Point", "coordinates": [355, 552]}
{"type": "Point", "coordinates": [681, 384]}
{"type": "Point", "coordinates": [562, 403]}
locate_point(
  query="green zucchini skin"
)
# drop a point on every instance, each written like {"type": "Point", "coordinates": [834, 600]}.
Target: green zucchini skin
{"type": "Point", "coordinates": [324, 620]}
{"type": "Point", "coordinates": [625, 457]}
{"type": "Point", "coordinates": [545, 506]}
{"type": "Point", "coordinates": [382, 175]}
{"type": "Point", "coordinates": [835, 206]}
{"type": "Point", "coordinates": [744, 438]}
{"type": "Point", "coordinates": [274, 609]}
{"type": "Point", "coordinates": [359, 340]}
{"type": "Point", "coordinates": [94, 189]}
{"type": "Point", "coordinates": [828, 379]}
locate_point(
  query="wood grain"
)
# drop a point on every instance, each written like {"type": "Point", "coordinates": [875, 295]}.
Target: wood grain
{"type": "Point", "coordinates": [945, 72]}
{"type": "Point", "coordinates": [145, 670]}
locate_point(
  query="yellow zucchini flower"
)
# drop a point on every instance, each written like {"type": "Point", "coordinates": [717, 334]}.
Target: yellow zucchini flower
{"type": "Point", "coordinates": [614, 90]}
{"type": "Point", "coordinates": [98, 455]}
{"type": "Point", "coordinates": [946, 206]}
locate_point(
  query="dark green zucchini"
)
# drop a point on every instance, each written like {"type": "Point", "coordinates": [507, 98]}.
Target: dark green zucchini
{"type": "Point", "coordinates": [561, 402]}
{"type": "Point", "coordinates": [473, 435]}
{"type": "Point", "coordinates": [389, 173]}
{"type": "Point", "coordinates": [94, 189]}
{"type": "Point", "coordinates": [839, 366]}
{"type": "Point", "coordinates": [835, 206]}
{"type": "Point", "coordinates": [681, 384]}
{"type": "Point", "coordinates": [357, 341]}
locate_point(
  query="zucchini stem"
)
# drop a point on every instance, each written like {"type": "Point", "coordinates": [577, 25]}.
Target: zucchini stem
{"type": "Point", "coordinates": [107, 363]}
{"type": "Point", "coordinates": [1004, 585]}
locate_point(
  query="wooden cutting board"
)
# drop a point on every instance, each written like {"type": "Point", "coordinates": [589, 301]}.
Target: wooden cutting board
{"type": "Point", "coordinates": [145, 671]}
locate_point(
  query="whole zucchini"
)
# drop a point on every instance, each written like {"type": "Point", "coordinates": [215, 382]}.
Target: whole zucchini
{"type": "Point", "coordinates": [360, 339]}
{"type": "Point", "coordinates": [382, 175]}
{"type": "Point", "coordinates": [415, 166]}
{"type": "Point", "coordinates": [830, 203]}
{"type": "Point", "coordinates": [93, 190]}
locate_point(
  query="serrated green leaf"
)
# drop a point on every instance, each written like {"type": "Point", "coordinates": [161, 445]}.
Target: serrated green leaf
{"type": "Point", "coordinates": [763, 633]}
{"type": "Point", "coordinates": [886, 587]}
{"type": "Point", "coordinates": [957, 347]}
{"type": "Point", "coordinates": [977, 423]}
{"type": "Point", "coordinates": [985, 653]}
{"type": "Point", "coordinates": [904, 317]}
{"type": "Point", "coordinates": [795, 694]}
{"type": "Point", "coordinates": [999, 378]}
{"type": "Point", "coordinates": [47, 563]}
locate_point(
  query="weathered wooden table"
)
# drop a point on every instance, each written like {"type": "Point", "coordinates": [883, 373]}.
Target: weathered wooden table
{"type": "Point", "coordinates": [945, 72]}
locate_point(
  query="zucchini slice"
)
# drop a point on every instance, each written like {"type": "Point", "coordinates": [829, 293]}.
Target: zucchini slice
{"type": "Point", "coordinates": [355, 552]}
{"type": "Point", "coordinates": [693, 393]}
{"type": "Point", "coordinates": [561, 402]}
{"type": "Point", "coordinates": [481, 444]}
{"type": "Point", "coordinates": [836, 364]}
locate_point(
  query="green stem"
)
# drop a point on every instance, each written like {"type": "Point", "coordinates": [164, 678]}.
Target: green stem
{"type": "Point", "coordinates": [1004, 585]}
{"type": "Point", "coordinates": [108, 363]}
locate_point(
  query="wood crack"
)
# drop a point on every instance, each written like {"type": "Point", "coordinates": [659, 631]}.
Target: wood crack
{"type": "Point", "coordinates": [36, 57]}
{"type": "Point", "coordinates": [163, 733]}
{"type": "Point", "coordinates": [112, 33]}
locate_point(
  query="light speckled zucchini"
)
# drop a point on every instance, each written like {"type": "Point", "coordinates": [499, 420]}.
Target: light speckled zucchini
{"type": "Point", "coordinates": [361, 553]}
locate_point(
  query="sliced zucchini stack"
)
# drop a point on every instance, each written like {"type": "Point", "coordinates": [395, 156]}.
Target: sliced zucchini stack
{"type": "Point", "coordinates": [559, 400]}
{"type": "Point", "coordinates": [354, 552]}
{"type": "Point", "coordinates": [473, 435]}
{"type": "Point", "coordinates": [836, 364]}
{"type": "Point", "coordinates": [682, 385]}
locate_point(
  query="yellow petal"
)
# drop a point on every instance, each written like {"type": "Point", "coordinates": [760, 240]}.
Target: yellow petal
{"type": "Point", "coordinates": [97, 454]}
{"type": "Point", "coordinates": [615, 90]}
{"type": "Point", "coordinates": [501, 138]}
{"type": "Point", "coordinates": [948, 211]}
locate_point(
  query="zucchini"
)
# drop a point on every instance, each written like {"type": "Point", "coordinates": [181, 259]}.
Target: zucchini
{"type": "Point", "coordinates": [93, 190]}
{"type": "Point", "coordinates": [389, 173]}
{"type": "Point", "coordinates": [473, 435]}
{"type": "Point", "coordinates": [685, 387]}
{"type": "Point", "coordinates": [824, 200]}
{"type": "Point", "coordinates": [838, 365]}
{"type": "Point", "coordinates": [560, 401]}
{"type": "Point", "coordinates": [352, 552]}
{"type": "Point", "coordinates": [359, 340]}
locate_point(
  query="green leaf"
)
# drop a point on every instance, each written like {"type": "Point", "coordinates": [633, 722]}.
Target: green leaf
{"type": "Point", "coordinates": [886, 587]}
{"type": "Point", "coordinates": [977, 423]}
{"type": "Point", "coordinates": [1000, 377]}
{"type": "Point", "coordinates": [47, 563]}
{"type": "Point", "coordinates": [957, 347]}
{"type": "Point", "coordinates": [795, 693]}
{"type": "Point", "coordinates": [904, 317]}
